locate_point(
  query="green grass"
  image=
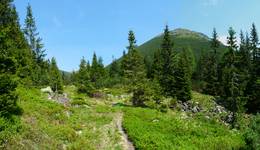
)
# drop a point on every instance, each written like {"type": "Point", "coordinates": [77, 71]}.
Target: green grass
{"type": "Point", "coordinates": [48, 125]}
{"type": "Point", "coordinates": [150, 129]}
{"type": "Point", "coordinates": [89, 123]}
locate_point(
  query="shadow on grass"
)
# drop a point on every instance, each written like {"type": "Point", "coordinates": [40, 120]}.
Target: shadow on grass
{"type": "Point", "coordinates": [121, 105]}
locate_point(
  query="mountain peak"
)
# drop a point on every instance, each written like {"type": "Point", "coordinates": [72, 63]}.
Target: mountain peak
{"type": "Point", "coordinates": [182, 33]}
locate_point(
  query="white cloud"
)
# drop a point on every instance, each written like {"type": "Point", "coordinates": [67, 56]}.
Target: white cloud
{"type": "Point", "coordinates": [56, 22]}
{"type": "Point", "coordinates": [223, 39]}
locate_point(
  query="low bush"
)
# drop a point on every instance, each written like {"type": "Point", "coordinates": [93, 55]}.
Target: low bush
{"type": "Point", "coordinates": [151, 129]}
{"type": "Point", "coordinates": [252, 135]}
{"type": "Point", "coordinates": [8, 128]}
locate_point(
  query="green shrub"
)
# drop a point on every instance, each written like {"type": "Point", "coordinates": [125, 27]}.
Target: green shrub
{"type": "Point", "coordinates": [151, 129]}
{"type": "Point", "coordinates": [252, 135]}
{"type": "Point", "coordinates": [8, 128]}
{"type": "Point", "coordinates": [86, 88]}
{"type": "Point", "coordinates": [146, 94]}
{"type": "Point", "coordinates": [8, 84]}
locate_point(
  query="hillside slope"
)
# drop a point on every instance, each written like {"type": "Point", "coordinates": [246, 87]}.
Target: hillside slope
{"type": "Point", "coordinates": [182, 38]}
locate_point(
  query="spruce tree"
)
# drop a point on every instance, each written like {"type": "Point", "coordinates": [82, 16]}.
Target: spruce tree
{"type": "Point", "coordinates": [167, 57]}
{"type": "Point", "coordinates": [83, 78]}
{"type": "Point", "coordinates": [156, 65]}
{"type": "Point", "coordinates": [243, 63]}
{"type": "Point", "coordinates": [40, 68]}
{"type": "Point", "coordinates": [230, 77]}
{"type": "Point", "coordinates": [253, 87]}
{"type": "Point", "coordinates": [148, 66]}
{"type": "Point", "coordinates": [94, 68]}
{"type": "Point", "coordinates": [32, 36]}
{"type": "Point", "coordinates": [215, 42]}
{"type": "Point", "coordinates": [254, 42]}
{"type": "Point", "coordinates": [13, 44]}
{"type": "Point", "coordinates": [97, 71]}
{"type": "Point", "coordinates": [183, 73]}
{"type": "Point", "coordinates": [114, 70]}
{"type": "Point", "coordinates": [210, 73]}
{"type": "Point", "coordinates": [133, 69]}
{"type": "Point", "coordinates": [8, 84]}
{"type": "Point", "coordinates": [133, 63]}
{"type": "Point", "coordinates": [14, 58]}
{"type": "Point", "coordinates": [55, 77]}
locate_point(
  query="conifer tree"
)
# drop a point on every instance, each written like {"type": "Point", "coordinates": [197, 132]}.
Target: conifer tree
{"type": "Point", "coordinates": [214, 42]}
{"type": "Point", "coordinates": [156, 65]}
{"type": "Point", "coordinates": [13, 44]}
{"type": "Point", "coordinates": [94, 68]}
{"type": "Point", "coordinates": [31, 35]}
{"type": "Point", "coordinates": [14, 58]}
{"type": "Point", "coordinates": [83, 78]}
{"type": "Point", "coordinates": [253, 87]}
{"type": "Point", "coordinates": [230, 77]}
{"type": "Point", "coordinates": [148, 66]}
{"type": "Point", "coordinates": [55, 76]}
{"type": "Point", "coordinates": [40, 68]}
{"type": "Point", "coordinates": [133, 63]}
{"type": "Point", "coordinates": [254, 42]}
{"type": "Point", "coordinates": [114, 70]}
{"type": "Point", "coordinates": [243, 63]}
{"type": "Point", "coordinates": [97, 71]}
{"type": "Point", "coordinates": [167, 57]}
{"type": "Point", "coordinates": [183, 73]}
{"type": "Point", "coordinates": [8, 96]}
{"type": "Point", "coordinates": [211, 72]}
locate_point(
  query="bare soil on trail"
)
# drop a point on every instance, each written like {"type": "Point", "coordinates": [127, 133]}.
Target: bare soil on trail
{"type": "Point", "coordinates": [126, 143]}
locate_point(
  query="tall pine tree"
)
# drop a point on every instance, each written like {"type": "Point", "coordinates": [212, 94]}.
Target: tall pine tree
{"type": "Point", "coordinates": [83, 78]}
{"type": "Point", "coordinates": [12, 41]}
{"type": "Point", "coordinates": [253, 87]}
{"type": "Point", "coordinates": [97, 71]}
{"type": "Point", "coordinates": [55, 76]}
{"type": "Point", "coordinates": [133, 63]}
{"type": "Point", "coordinates": [182, 74]}
{"type": "Point", "coordinates": [114, 70]}
{"type": "Point", "coordinates": [230, 77]}
{"type": "Point", "coordinates": [210, 73]}
{"type": "Point", "coordinates": [40, 66]}
{"type": "Point", "coordinates": [32, 36]}
{"type": "Point", "coordinates": [166, 69]}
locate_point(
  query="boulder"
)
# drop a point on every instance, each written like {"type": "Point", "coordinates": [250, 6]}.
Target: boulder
{"type": "Point", "coordinates": [47, 90]}
{"type": "Point", "coordinates": [195, 109]}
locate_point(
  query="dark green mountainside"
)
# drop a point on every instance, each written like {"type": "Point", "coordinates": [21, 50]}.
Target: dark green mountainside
{"type": "Point", "coordinates": [183, 38]}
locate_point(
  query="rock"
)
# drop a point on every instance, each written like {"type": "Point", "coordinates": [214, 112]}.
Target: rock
{"type": "Point", "coordinates": [47, 90]}
{"type": "Point", "coordinates": [79, 132]}
{"type": "Point", "coordinates": [207, 117]}
{"type": "Point", "coordinates": [98, 95]}
{"type": "Point", "coordinates": [195, 109]}
{"type": "Point", "coordinates": [184, 116]}
{"type": "Point", "coordinates": [185, 106]}
{"type": "Point", "coordinates": [229, 118]}
{"type": "Point", "coordinates": [155, 120]}
{"type": "Point", "coordinates": [68, 114]}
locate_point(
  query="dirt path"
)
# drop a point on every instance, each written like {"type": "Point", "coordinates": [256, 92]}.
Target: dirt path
{"type": "Point", "coordinates": [126, 143]}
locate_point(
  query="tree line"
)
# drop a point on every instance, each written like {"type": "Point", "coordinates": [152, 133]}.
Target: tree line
{"type": "Point", "coordinates": [232, 77]}
{"type": "Point", "coordinates": [22, 58]}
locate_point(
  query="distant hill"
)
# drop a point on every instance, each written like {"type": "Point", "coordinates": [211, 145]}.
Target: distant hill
{"type": "Point", "coordinates": [66, 73]}
{"type": "Point", "coordinates": [182, 38]}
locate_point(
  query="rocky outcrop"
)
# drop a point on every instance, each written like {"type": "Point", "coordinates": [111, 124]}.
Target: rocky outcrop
{"type": "Point", "coordinates": [59, 98]}
{"type": "Point", "coordinates": [215, 111]}
{"type": "Point", "coordinates": [189, 106]}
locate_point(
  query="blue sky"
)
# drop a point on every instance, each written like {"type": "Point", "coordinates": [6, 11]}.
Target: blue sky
{"type": "Point", "coordinates": [72, 29]}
